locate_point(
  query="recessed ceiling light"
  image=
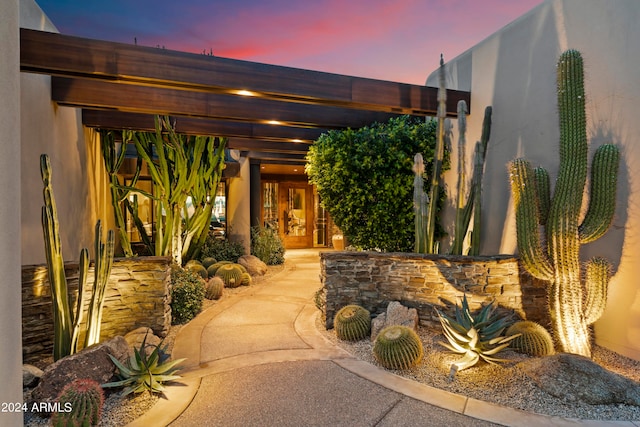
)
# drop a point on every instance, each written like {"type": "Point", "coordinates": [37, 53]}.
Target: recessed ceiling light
{"type": "Point", "coordinates": [245, 93]}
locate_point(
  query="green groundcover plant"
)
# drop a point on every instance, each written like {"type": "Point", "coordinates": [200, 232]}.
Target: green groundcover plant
{"type": "Point", "coordinates": [365, 180]}
{"type": "Point", "coordinates": [187, 295]}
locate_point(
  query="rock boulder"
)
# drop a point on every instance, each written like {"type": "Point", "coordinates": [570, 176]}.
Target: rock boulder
{"type": "Point", "coordinates": [396, 314]}
{"type": "Point", "coordinates": [90, 363]}
{"type": "Point", "coordinates": [577, 378]}
{"type": "Point", "coordinates": [135, 337]}
{"type": "Point", "coordinates": [30, 375]}
{"type": "Point", "coordinates": [254, 265]}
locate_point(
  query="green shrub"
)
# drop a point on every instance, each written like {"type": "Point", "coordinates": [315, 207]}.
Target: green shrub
{"type": "Point", "coordinates": [365, 180]}
{"type": "Point", "coordinates": [267, 245]}
{"type": "Point", "coordinates": [221, 249]}
{"type": "Point", "coordinates": [320, 299]}
{"type": "Point", "coordinates": [187, 294]}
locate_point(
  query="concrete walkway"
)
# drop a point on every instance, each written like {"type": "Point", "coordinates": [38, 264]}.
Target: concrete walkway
{"type": "Point", "coordinates": [257, 359]}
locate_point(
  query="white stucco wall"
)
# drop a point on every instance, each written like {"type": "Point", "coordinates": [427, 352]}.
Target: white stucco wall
{"type": "Point", "coordinates": [58, 132]}
{"type": "Point", "coordinates": [10, 312]}
{"type": "Point", "coordinates": [514, 71]}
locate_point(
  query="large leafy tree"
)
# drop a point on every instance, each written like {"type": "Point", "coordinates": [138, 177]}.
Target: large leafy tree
{"type": "Point", "coordinates": [365, 179]}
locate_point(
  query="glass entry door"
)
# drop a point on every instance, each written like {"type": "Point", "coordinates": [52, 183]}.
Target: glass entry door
{"type": "Point", "coordinates": [296, 215]}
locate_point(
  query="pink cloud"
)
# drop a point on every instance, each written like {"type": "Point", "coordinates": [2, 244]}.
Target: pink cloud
{"type": "Point", "coordinates": [398, 40]}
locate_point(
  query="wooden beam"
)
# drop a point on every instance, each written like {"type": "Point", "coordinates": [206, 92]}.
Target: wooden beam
{"type": "Point", "coordinates": [284, 158]}
{"type": "Point", "coordinates": [244, 144]}
{"type": "Point", "coordinates": [96, 94]}
{"type": "Point", "coordinates": [62, 55]}
{"type": "Point", "coordinates": [109, 119]}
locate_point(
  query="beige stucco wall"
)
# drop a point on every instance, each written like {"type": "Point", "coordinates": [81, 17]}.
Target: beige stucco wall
{"type": "Point", "coordinates": [10, 314]}
{"type": "Point", "coordinates": [514, 71]}
{"type": "Point", "coordinates": [58, 132]}
{"type": "Point", "coordinates": [238, 205]}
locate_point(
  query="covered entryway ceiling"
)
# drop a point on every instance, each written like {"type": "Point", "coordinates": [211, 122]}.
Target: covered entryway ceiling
{"type": "Point", "coordinates": [272, 113]}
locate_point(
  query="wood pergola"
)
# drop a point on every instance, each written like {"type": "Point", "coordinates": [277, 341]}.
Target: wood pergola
{"type": "Point", "coordinates": [272, 113]}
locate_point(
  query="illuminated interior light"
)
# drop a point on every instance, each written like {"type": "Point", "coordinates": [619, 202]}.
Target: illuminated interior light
{"type": "Point", "coordinates": [296, 140]}
{"type": "Point", "coordinates": [274, 122]}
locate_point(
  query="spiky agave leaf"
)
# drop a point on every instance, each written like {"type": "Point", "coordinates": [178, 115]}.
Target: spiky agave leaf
{"type": "Point", "coordinates": [145, 372]}
{"type": "Point", "coordinates": [475, 336]}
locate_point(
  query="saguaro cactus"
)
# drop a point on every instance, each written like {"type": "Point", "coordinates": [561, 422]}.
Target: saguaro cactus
{"type": "Point", "coordinates": [559, 262]}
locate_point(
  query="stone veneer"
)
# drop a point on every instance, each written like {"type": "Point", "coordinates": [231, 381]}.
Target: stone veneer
{"type": "Point", "coordinates": [137, 295]}
{"type": "Point", "coordinates": [425, 282]}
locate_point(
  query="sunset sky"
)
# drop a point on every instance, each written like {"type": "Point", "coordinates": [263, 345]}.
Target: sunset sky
{"type": "Point", "coordinates": [398, 40]}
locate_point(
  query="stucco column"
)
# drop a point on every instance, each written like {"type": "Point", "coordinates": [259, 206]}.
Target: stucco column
{"type": "Point", "coordinates": [239, 207]}
{"type": "Point", "coordinates": [10, 303]}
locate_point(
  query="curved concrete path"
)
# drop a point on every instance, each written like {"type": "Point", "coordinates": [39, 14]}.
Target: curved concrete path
{"type": "Point", "coordinates": [257, 359]}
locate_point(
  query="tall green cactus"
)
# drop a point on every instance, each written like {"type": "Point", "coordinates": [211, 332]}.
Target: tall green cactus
{"type": "Point", "coordinates": [185, 167]}
{"type": "Point", "coordinates": [102, 264]}
{"type": "Point", "coordinates": [113, 159]}
{"type": "Point", "coordinates": [473, 203]}
{"type": "Point", "coordinates": [62, 324]}
{"type": "Point", "coordinates": [438, 157]}
{"type": "Point", "coordinates": [66, 323]}
{"type": "Point", "coordinates": [420, 202]}
{"type": "Point", "coordinates": [559, 262]}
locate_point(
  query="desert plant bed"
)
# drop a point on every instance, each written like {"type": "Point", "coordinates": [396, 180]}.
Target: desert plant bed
{"type": "Point", "coordinates": [503, 384]}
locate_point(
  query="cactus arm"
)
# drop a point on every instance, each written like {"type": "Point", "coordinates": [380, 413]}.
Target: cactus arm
{"type": "Point", "coordinates": [420, 201]}
{"type": "Point", "coordinates": [81, 300]}
{"type": "Point", "coordinates": [463, 214]}
{"type": "Point", "coordinates": [597, 279]}
{"type": "Point", "coordinates": [132, 208]}
{"type": "Point", "coordinates": [438, 156]}
{"type": "Point", "coordinates": [530, 248]}
{"type": "Point", "coordinates": [119, 193]}
{"type": "Point", "coordinates": [478, 172]}
{"type": "Point", "coordinates": [55, 266]}
{"type": "Point", "coordinates": [102, 269]}
{"type": "Point", "coordinates": [543, 187]}
{"type": "Point", "coordinates": [602, 202]}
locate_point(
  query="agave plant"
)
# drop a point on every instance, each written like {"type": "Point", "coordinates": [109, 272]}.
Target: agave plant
{"type": "Point", "coordinates": [475, 336]}
{"type": "Point", "coordinates": [145, 372]}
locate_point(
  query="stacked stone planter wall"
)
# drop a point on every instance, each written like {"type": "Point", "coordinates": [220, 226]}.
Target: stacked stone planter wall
{"type": "Point", "coordinates": [137, 295]}
{"type": "Point", "coordinates": [373, 279]}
